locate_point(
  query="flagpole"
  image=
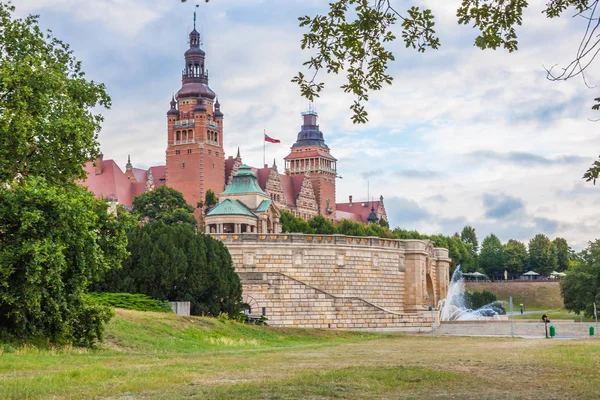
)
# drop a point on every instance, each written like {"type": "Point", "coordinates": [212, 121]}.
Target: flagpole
{"type": "Point", "coordinates": [264, 147]}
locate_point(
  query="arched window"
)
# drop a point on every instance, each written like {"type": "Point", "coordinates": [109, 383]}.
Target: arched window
{"type": "Point", "coordinates": [178, 136]}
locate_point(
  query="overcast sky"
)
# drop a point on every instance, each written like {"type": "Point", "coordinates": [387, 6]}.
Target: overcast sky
{"type": "Point", "coordinates": [462, 136]}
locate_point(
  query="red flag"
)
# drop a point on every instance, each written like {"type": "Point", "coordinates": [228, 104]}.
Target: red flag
{"type": "Point", "coordinates": [271, 140]}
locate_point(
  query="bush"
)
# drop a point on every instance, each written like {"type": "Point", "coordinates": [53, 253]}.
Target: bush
{"type": "Point", "coordinates": [54, 241]}
{"type": "Point", "coordinates": [475, 300]}
{"type": "Point", "coordinates": [130, 301]}
{"type": "Point", "coordinates": [175, 263]}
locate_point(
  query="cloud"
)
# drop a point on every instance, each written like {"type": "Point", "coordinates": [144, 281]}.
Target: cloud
{"type": "Point", "coordinates": [370, 173]}
{"type": "Point", "coordinates": [501, 206]}
{"type": "Point", "coordinates": [417, 174]}
{"type": "Point", "coordinates": [526, 159]}
{"type": "Point", "coordinates": [401, 210]}
{"type": "Point", "coordinates": [434, 147]}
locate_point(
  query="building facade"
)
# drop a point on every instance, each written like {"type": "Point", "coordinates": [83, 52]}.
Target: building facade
{"type": "Point", "coordinates": [195, 159]}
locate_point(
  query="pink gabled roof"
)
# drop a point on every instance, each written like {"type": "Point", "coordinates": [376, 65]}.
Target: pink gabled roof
{"type": "Point", "coordinates": [262, 176]}
{"type": "Point", "coordinates": [140, 174]}
{"type": "Point", "coordinates": [112, 182]}
{"type": "Point", "coordinates": [297, 185]}
{"type": "Point", "coordinates": [228, 167]}
{"type": "Point", "coordinates": [159, 175]}
{"type": "Point", "coordinates": [357, 208]}
{"type": "Point", "coordinates": [138, 188]}
{"type": "Point", "coordinates": [340, 215]}
{"type": "Point", "coordinates": [288, 189]}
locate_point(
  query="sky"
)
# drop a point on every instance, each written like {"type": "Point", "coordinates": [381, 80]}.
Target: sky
{"type": "Point", "coordinates": [462, 136]}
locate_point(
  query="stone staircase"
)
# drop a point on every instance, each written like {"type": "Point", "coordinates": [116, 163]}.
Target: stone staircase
{"type": "Point", "coordinates": [290, 302]}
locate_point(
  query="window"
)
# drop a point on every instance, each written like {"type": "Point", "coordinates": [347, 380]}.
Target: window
{"type": "Point", "coordinates": [209, 152]}
{"type": "Point", "coordinates": [182, 165]}
{"type": "Point", "coordinates": [177, 152]}
{"type": "Point", "coordinates": [189, 151]}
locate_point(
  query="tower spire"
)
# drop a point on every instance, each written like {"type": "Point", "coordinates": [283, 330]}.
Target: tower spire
{"type": "Point", "coordinates": [197, 5]}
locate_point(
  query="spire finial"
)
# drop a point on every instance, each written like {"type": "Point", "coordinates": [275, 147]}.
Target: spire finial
{"type": "Point", "coordinates": [238, 154]}
{"type": "Point", "coordinates": [197, 5]}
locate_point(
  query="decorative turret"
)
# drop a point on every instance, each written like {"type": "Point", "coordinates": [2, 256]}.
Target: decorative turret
{"type": "Point", "coordinates": [218, 113]}
{"type": "Point", "coordinates": [372, 218]}
{"type": "Point", "coordinates": [310, 157]}
{"type": "Point", "coordinates": [173, 110]}
{"type": "Point", "coordinates": [129, 170]}
{"type": "Point", "coordinates": [200, 107]}
{"type": "Point", "coordinates": [194, 77]}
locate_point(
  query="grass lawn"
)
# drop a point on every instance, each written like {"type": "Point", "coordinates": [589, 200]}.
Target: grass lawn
{"type": "Point", "coordinates": [560, 314]}
{"type": "Point", "coordinates": [162, 356]}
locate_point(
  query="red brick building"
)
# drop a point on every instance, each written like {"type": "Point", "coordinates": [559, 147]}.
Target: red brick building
{"type": "Point", "coordinates": [195, 158]}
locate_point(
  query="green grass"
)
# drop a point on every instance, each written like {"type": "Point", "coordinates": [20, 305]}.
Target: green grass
{"type": "Point", "coordinates": [129, 301]}
{"type": "Point", "coordinates": [163, 356]}
{"type": "Point", "coordinates": [538, 296]}
{"type": "Point", "coordinates": [558, 314]}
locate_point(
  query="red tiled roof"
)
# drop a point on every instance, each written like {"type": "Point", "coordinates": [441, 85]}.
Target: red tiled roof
{"type": "Point", "coordinates": [228, 167]}
{"type": "Point", "coordinates": [288, 189]}
{"type": "Point", "coordinates": [297, 185]}
{"type": "Point", "coordinates": [159, 175]}
{"type": "Point", "coordinates": [357, 208]}
{"type": "Point", "coordinates": [140, 174]}
{"type": "Point", "coordinates": [313, 153]}
{"type": "Point", "coordinates": [112, 182]}
{"type": "Point", "coordinates": [138, 188]}
{"type": "Point", "coordinates": [262, 175]}
{"type": "Point", "coordinates": [340, 215]}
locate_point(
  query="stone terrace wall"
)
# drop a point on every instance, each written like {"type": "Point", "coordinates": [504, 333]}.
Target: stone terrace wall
{"type": "Point", "coordinates": [336, 280]}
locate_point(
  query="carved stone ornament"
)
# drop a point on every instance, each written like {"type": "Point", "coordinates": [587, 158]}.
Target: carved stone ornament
{"type": "Point", "coordinates": [248, 259]}
{"type": "Point", "coordinates": [341, 259]}
{"type": "Point", "coordinates": [298, 257]}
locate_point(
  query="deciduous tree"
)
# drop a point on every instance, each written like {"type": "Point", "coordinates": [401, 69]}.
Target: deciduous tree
{"type": "Point", "coordinates": [516, 257]}
{"type": "Point", "coordinates": [581, 287]}
{"type": "Point", "coordinates": [55, 241]}
{"type": "Point", "coordinates": [163, 204]}
{"type": "Point", "coordinates": [563, 253]}
{"type": "Point", "coordinates": [48, 115]}
{"type": "Point", "coordinates": [543, 257]}
{"type": "Point", "coordinates": [492, 258]}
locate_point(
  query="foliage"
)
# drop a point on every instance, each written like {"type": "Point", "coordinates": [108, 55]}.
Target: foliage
{"type": "Point", "coordinates": [563, 253]}
{"type": "Point", "coordinates": [210, 200]}
{"type": "Point", "coordinates": [543, 257]}
{"type": "Point", "coordinates": [321, 225]}
{"type": "Point", "coordinates": [129, 301]}
{"type": "Point", "coordinates": [173, 262]}
{"type": "Point", "coordinates": [47, 124]}
{"type": "Point", "coordinates": [384, 223]}
{"type": "Point", "coordinates": [516, 257]}
{"type": "Point", "coordinates": [352, 38]}
{"type": "Point", "coordinates": [163, 204]}
{"type": "Point", "coordinates": [292, 224]}
{"type": "Point", "coordinates": [468, 235]}
{"type": "Point", "coordinates": [475, 300]}
{"type": "Point", "coordinates": [492, 257]}
{"type": "Point", "coordinates": [54, 242]}
{"type": "Point", "coordinates": [581, 287]}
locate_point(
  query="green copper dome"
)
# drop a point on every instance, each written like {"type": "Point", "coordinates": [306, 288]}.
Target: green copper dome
{"type": "Point", "coordinates": [243, 182]}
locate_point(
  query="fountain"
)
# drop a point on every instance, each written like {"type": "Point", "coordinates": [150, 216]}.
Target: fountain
{"type": "Point", "coordinates": [453, 307]}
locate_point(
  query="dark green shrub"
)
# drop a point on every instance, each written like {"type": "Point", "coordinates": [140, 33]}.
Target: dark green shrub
{"type": "Point", "coordinates": [130, 301]}
{"type": "Point", "coordinates": [475, 300]}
